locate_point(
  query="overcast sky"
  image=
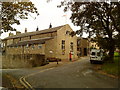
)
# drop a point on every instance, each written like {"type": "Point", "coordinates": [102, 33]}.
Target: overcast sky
{"type": "Point", "coordinates": [49, 13]}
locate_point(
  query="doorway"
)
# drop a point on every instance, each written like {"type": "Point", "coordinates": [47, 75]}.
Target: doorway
{"type": "Point", "coordinates": [85, 51]}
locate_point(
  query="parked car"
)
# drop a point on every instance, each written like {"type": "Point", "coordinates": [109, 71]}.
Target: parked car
{"type": "Point", "coordinates": [96, 55]}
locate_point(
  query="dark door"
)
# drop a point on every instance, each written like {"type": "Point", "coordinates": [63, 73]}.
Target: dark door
{"type": "Point", "coordinates": [85, 51]}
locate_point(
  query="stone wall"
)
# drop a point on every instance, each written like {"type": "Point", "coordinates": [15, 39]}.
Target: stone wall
{"type": "Point", "coordinates": [23, 61]}
{"type": "Point", "coordinates": [62, 35]}
{"type": "Point", "coordinates": [50, 48]}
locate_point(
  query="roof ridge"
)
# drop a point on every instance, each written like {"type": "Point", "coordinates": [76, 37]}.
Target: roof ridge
{"type": "Point", "coordinates": [35, 32]}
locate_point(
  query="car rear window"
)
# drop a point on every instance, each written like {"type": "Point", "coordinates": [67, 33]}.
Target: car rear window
{"type": "Point", "coordinates": [93, 53]}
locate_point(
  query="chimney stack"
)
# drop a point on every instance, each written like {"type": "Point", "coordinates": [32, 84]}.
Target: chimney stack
{"type": "Point", "coordinates": [50, 26]}
{"type": "Point", "coordinates": [37, 28]}
{"type": "Point", "coordinates": [25, 30]}
{"type": "Point", "coordinates": [11, 34]}
{"type": "Point", "coordinates": [18, 32]}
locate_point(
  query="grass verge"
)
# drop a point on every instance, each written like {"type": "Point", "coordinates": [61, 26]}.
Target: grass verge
{"type": "Point", "coordinates": [112, 68]}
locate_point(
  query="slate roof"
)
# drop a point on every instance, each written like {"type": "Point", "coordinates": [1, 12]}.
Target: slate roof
{"type": "Point", "coordinates": [35, 32]}
{"type": "Point", "coordinates": [32, 41]}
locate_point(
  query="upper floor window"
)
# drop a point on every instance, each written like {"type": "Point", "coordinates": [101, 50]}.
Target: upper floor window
{"type": "Point", "coordinates": [30, 37]}
{"type": "Point", "coordinates": [71, 46]}
{"type": "Point", "coordinates": [63, 44]}
{"type": "Point", "coordinates": [78, 42]}
{"type": "Point", "coordinates": [67, 32]}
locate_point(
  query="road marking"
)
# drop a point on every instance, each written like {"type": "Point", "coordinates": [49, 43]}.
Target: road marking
{"type": "Point", "coordinates": [21, 81]}
{"type": "Point", "coordinates": [87, 72]}
{"type": "Point", "coordinates": [25, 83]}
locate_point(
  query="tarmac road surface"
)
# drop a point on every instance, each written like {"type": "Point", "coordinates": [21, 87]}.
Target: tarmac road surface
{"type": "Point", "coordinates": [78, 74]}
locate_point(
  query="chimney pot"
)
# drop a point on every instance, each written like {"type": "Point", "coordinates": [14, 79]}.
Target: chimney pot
{"type": "Point", "coordinates": [25, 30]}
{"type": "Point", "coordinates": [37, 29]}
{"type": "Point", "coordinates": [50, 26]}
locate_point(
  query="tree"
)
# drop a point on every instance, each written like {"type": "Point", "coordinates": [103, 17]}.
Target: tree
{"type": "Point", "coordinates": [12, 12]}
{"type": "Point", "coordinates": [101, 19]}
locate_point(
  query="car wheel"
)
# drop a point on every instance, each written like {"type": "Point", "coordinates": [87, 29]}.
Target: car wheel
{"type": "Point", "coordinates": [91, 62]}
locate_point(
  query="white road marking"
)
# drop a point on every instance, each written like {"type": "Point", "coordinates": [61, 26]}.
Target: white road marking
{"type": "Point", "coordinates": [87, 72]}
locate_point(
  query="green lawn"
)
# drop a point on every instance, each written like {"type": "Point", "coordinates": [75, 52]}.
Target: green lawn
{"type": "Point", "coordinates": [112, 68]}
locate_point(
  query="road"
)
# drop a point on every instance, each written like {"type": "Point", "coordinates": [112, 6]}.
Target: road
{"type": "Point", "coordinates": [78, 74]}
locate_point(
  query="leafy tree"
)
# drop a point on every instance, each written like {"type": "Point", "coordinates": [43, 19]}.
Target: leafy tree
{"type": "Point", "coordinates": [100, 19]}
{"type": "Point", "coordinates": [12, 12]}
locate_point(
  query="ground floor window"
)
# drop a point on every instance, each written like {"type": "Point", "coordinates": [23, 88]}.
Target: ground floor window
{"type": "Point", "coordinates": [33, 46]}
{"type": "Point", "coordinates": [39, 46]}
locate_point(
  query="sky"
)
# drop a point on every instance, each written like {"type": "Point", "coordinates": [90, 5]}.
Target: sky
{"type": "Point", "coordinates": [49, 13]}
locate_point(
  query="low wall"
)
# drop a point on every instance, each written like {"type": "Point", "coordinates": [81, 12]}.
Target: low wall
{"type": "Point", "coordinates": [22, 61]}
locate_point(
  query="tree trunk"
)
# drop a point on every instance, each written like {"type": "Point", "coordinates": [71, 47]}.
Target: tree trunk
{"type": "Point", "coordinates": [111, 52]}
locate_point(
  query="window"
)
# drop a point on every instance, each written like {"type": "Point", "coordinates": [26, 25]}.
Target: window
{"type": "Point", "coordinates": [16, 46]}
{"type": "Point", "coordinates": [67, 32]}
{"type": "Point", "coordinates": [33, 46]}
{"type": "Point", "coordinates": [78, 42]}
{"type": "Point", "coordinates": [71, 46]}
{"type": "Point", "coordinates": [63, 45]}
{"type": "Point", "coordinates": [95, 45]}
{"type": "Point", "coordinates": [39, 45]}
{"type": "Point", "coordinates": [21, 46]}
{"type": "Point", "coordinates": [1, 45]}
{"type": "Point", "coordinates": [27, 45]}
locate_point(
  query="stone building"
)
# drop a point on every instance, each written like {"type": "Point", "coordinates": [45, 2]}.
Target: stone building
{"type": "Point", "coordinates": [52, 43]}
{"type": "Point", "coordinates": [94, 45]}
{"type": "Point", "coordinates": [82, 46]}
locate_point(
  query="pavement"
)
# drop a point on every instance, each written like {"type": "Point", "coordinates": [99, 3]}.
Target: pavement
{"type": "Point", "coordinates": [75, 74]}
